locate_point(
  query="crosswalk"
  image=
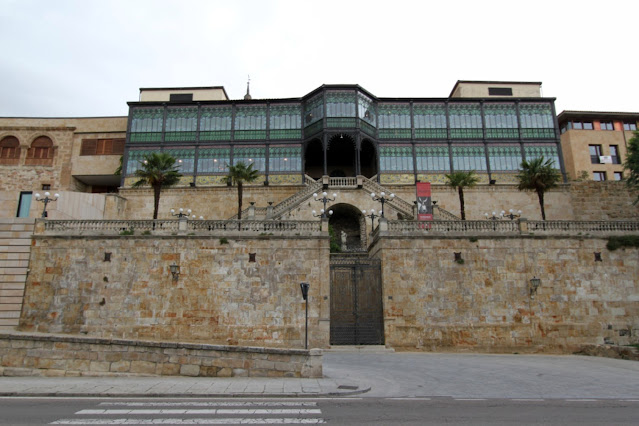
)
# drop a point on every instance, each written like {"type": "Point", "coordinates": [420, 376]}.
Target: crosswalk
{"type": "Point", "coordinates": [197, 413]}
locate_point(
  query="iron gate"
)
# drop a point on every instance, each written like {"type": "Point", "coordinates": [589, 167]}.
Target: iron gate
{"type": "Point", "coordinates": [356, 301]}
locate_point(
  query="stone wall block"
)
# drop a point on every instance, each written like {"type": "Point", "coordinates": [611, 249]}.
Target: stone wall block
{"type": "Point", "coordinates": [120, 366]}
{"type": "Point", "coordinates": [190, 370]}
{"type": "Point", "coordinates": [142, 367]}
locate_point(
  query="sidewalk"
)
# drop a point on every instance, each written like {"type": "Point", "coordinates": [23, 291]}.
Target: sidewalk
{"type": "Point", "coordinates": [170, 386]}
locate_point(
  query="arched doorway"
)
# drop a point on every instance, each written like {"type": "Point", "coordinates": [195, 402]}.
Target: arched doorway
{"type": "Point", "coordinates": [340, 157]}
{"type": "Point", "coordinates": [368, 159]}
{"type": "Point", "coordinates": [314, 159]}
{"type": "Point", "coordinates": [347, 219]}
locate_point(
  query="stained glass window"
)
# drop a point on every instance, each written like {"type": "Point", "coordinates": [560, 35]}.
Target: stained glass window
{"type": "Point", "coordinates": [215, 123]}
{"type": "Point", "coordinates": [501, 120]}
{"type": "Point", "coordinates": [465, 120]}
{"type": "Point", "coordinates": [314, 110]}
{"type": "Point", "coordinates": [432, 158]}
{"type": "Point", "coordinates": [181, 124]}
{"type": "Point", "coordinates": [430, 121]}
{"type": "Point", "coordinates": [286, 122]}
{"type": "Point", "coordinates": [396, 158]}
{"type": "Point", "coordinates": [255, 155]}
{"type": "Point", "coordinates": [471, 157]}
{"type": "Point", "coordinates": [366, 109]}
{"type": "Point", "coordinates": [185, 159]}
{"type": "Point", "coordinates": [547, 151]}
{"type": "Point", "coordinates": [394, 121]}
{"type": "Point", "coordinates": [340, 104]}
{"type": "Point", "coordinates": [213, 160]}
{"type": "Point", "coordinates": [285, 158]}
{"type": "Point", "coordinates": [537, 120]}
{"type": "Point", "coordinates": [134, 158]}
{"type": "Point", "coordinates": [504, 158]}
{"type": "Point", "coordinates": [146, 124]}
{"type": "Point", "coordinates": [250, 122]}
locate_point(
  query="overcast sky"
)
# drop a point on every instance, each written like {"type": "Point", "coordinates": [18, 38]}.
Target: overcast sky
{"type": "Point", "coordinates": [68, 58]}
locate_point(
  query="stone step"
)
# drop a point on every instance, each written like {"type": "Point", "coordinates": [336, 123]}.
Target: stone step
{"type": "Point", "coordinates": [15, 249]}
{"type": "Point", "coordinates": [15, 234]}
{"type": "Point", "coordinates": [13, 278]}
{"type": "Point", "coordinates": [13, 271]}
{"type": "Point", "coordinates": [370, 349]}
{"type": "Point", "coordinates": [14, 263]}
{"type": "Point", "coordinates": [10, 314]}
{"type": "Point", "coordinates": [11, 242]}
{"type": "Point", "coordinates": [12, 286]}
{"type": "Point", "coordinates": [15, 256]}
{"type": "Point", "coordinates": [10, 307]}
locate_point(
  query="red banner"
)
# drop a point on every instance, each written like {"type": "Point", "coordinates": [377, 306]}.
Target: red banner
{"type": "Point", "coordinates": [424, 202]}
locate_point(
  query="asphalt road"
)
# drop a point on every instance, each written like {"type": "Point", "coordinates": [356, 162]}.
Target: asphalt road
{"type": "Point", "coordinates": [337, 411]}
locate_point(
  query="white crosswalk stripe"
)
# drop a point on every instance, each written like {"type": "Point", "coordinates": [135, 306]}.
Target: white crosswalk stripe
{"type": "Point", "coordinates": [197, 413]}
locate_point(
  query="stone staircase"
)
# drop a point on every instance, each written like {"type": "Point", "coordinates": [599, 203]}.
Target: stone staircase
{"type": "Point", "coordinates": [15, 247]}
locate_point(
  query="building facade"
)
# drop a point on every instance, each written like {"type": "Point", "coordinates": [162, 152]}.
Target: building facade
{"type": "Point", "coordinates": [594, 143]}
{"type": "Point", "coordinates": [344, 130]}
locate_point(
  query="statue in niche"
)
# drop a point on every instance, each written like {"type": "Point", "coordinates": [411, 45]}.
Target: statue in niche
{"type": "Point", "coordinates": [343, 236]}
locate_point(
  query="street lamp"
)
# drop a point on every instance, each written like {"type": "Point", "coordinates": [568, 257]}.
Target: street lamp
{"type": "Point", "coordinates": [494, 216]}
{"type": "Point", "coordinates": [46, 200]}
{"type": "Point", "coordinates": [180, 214]}
{"type": "Point", "coordinates": [324, 200]}
{"type": "Point", "coordinates": [304, 287]}
{"type": "Point", "coordinates": [372, 215]}
{"type": "Point", "coordinates": [322, 213]}
{"type": "Point", "coordinates": [382, 198]}
{"type": "Point", "coordinates": [512, 215]}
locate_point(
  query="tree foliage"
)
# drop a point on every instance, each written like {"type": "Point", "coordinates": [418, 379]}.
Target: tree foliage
{"type": "Point", "coordinates": [460, 180]}
{"type": "Point", "coordinates": [632, 163]}
{"type": "Point", "coordinates": [158, 170]}
{"type": "Point", "coordinates": [239, 174]}
{"type": "Point", "coordinates": [538, 175]}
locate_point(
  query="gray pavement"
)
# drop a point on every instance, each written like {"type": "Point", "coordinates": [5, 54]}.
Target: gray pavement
{"type": "Point", "coordinates": [377, 375]}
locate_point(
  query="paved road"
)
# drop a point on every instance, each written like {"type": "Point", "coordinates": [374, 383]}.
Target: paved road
{"type": "Point", "coordinates": [485, 376]}
{"type": "Point", "coordinates": [334, 411]}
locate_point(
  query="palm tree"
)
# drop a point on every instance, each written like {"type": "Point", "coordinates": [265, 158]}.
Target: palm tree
{"type": "Point", "coordinates": [239, 174]}
{"type": "Point", "coordinates": [158, 169]}
{"type": "Point", "coordinates": [538, 175]}
{"type": "Point", "coordinates": [461, 180]}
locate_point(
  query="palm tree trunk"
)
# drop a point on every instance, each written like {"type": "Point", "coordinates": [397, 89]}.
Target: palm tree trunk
{"type": "Point", "coordinates": [540, 194]}
{"type": "Point", "coordinates": [461, 203]}
{"type": "Point", "coordinates": [156, 200]}
{"type": "Point", "coordinates": [239, 201]}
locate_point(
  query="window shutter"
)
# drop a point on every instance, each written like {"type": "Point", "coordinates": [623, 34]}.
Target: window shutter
{"type": "Point", "coordinates": [118, 146]}
{"type": "Point", "coordinates": [89, 147]}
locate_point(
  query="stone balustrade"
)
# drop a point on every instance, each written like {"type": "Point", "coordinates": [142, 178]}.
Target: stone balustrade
{"type": "Point", "coordinates": [176, 226]}
{"type": "Point", "coordinates": [522, 226]}
{"type": "Point", "coordinates": [342, 182]}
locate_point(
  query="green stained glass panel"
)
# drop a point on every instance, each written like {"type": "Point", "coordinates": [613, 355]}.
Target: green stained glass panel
{"type": "Point", "coordinates": [285, 117]}
{"type": "Point", "coordinates": [432, 158]}
{"type": "Point", "coordinates": [147, 120]}
{"type": "Point", "coordinates": [504, 158]}
{"type": "Point", "coordinates": [394, 158]}
{"type": "Point", "coordinates": [313, 110]}
{"type": "Point", "coordinates": [394, 116]}
{"type": "Point", "coordinates": [430, 133]}
{"type": "Point", "coordinates": [250, 118]}
{"type": "Point", "coordinates": [134, 157]}
{"type": "Point", "coordinates": [430, 116]}
{"type": "Point", "coordinates": [340, 104]}
{"type": "Point", "coordinates": [285, 159]}
{"type": "Point", "coordinates": [469, 158]}
{"type": "Point", "coordinates": [215, 136]}
{"type": "Point", "coordinates": [547, 151]}
{"type": "Point", "coordinates": [215, 119]}
{"type": "Point", "coordinates": [181, 119]}
{"type": "Point", "coordinates": [145, 137]}
{"type": "Point", "coordinates": [394, 133]}
{"type": "Point", "coordinates": [465, 116]}
{"type": "Point", "coordinates": [213, 160]}
{"type": "Point", "coordinates": [255, 155]}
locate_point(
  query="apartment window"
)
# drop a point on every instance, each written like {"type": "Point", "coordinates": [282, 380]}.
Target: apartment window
{"type": "Point", "coordinates": [630, 126]}
{"type": "Point", "coordinates": [41, 152]}
{"type": "Point", "coordinates": [618, 175]}
{"type": "Point", "coordinates": [614, 153]}
{"type": "Point", "coordinates": [102, 147]}
{"type": "Point", "coordinates": [46, 187]}
{"type": "Point", "coordinates": [595, 153]}
{"type": "Point", "coordinates": [606, 125]}
{"type": "Point", "coordinates": [582, 125]}
{"type": "Point", "coordinates": [599, 176]}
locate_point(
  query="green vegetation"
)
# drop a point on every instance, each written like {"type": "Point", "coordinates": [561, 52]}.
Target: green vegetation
{"type": "Point", "coordinates": [624, 241]}
{"type": "Point", "coordinates": [632, 164]}
{"type": "Point", "coordinates": [335, 244]}
{"type": "Point", "coordinates": [128, 232]}
{"type": "Point", "coordinates": [239, 174]}
{"type": "Point", "coordinates": [147, 232]}
{"type": "Point", "coordinates": [538, 175]}
{"type": "Point", "coordinates": [461, 180]}
{"type": "Point", "coordinates": [158, 170]}
{"type": "Point", "coordinates": [224, 241]}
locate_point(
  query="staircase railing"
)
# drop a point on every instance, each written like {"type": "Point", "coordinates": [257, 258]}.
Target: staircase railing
{"type": "Point", "coordinates": [398, 204]}
{"type": "Point", "coordinates": [443, 214]}
{"type": "Point", "coordinates": [295, 199]}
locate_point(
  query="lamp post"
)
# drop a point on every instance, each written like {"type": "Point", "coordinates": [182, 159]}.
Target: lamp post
{"type": "Point", "coordinates": [512, 215]}
{"type": "Point", "coordinates": [372, 215]}
{"type": "Point", "coordinates": [304, 287]}
{"type": "Point", "coordinates": [323, 214]}
{"type": "Point", "coordinates": [46, 200]}
{"type": "Point", "coordinates": [180, 214]}
{"type": "Point", "coordinates": [324, 200]}
{"type": "Point", "coordinates": [382, 198]}
{"type": "Point", "coordinates": [494, 216]}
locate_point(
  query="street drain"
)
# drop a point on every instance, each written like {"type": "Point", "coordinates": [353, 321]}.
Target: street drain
{"type": "Point", "coordinates": [347, 387]}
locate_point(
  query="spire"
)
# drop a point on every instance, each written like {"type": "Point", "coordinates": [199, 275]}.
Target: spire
{"type": "Point", "coordinates": [248, 97]}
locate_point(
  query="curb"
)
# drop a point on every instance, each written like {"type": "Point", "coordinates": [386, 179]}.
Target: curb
{"type": "Point", "coordinates": [182, 395]}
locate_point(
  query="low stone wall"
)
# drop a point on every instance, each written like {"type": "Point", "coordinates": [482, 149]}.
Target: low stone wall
{"type": "Point", "coordinates": [610, 351]}
{"type": "Point", "coordinates": [55, 355]}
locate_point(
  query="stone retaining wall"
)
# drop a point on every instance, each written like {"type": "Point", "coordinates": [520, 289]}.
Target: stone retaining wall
{"type": "Point", "coordinates": [55, 355]}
